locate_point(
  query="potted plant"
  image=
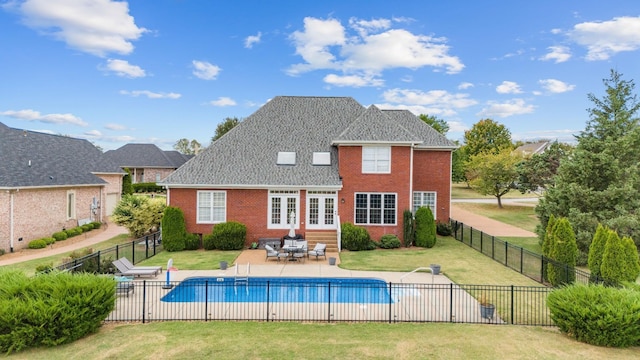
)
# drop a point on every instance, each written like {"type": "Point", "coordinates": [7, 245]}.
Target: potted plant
{"type": "Point", "coordinates": [486, 307]}
{"type": "Point", "coordinates": [254, 245]}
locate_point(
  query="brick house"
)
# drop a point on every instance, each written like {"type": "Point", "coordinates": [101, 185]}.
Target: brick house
{"type": "Point", "coordinates": [50, 182]}
{"type": "Point", "coordinates": [147, 162]}
{"type": "Point", "coordinates": [327, 159]}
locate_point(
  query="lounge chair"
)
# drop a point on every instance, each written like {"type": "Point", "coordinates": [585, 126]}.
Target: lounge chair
{"type": "Point", "coordinates": [129, 265]}
{"type": "Point", "coordinates": [123, 270]}
{"type": "Point", "coordinates": [317, 251]}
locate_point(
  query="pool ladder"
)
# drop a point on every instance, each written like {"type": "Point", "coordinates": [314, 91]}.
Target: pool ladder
{"type": "Point", "coordinates": [241, 279]}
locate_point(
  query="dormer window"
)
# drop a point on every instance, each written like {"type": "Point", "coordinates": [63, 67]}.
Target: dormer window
{"type": "Point", "coordinates": [286, 158]}
{"type": "Point", "coordinates": [321, 158]}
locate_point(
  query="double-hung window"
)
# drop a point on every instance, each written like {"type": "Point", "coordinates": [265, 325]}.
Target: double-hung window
{"type": "Point", "coordinates": [375, 209]}
{"type": "Point", "coordinates": [212, 207]}
{"type": "Point", "coordinates": [376, 159]}
{"type": "Point", "coordinates": [426, 199]}
{"type": "Point", "coordinates": [281, 204]}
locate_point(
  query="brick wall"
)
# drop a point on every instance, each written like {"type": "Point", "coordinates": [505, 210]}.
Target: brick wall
{"type": "Point", "coordinates": [432, 172]}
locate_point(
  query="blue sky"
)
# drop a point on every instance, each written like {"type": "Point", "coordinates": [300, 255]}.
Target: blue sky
{"type": "Point", "coordinates": [143, 71]}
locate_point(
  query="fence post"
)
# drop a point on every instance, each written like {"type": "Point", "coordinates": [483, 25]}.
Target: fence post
{"type": "Point", "coordinates": [521, 260]}
{"type": "Point", "coordinates": [144, 300]}
{"type": "Point", "coordinates": [542, 268]}
{"type": "Point", "coordinates": [470, 236]}
{"type": "Point", "coordinates": [512, 305]}
{"type": "Point", "coordinates": [117, 251]}
{"type": "Point", "coordinates": [493, 247]}
{"type": "Point", "coordinates": [133, 251]}
{"type": "Point", "coordinates": [506, 254]}
{"type": "Point", "coordinates": [329, 302]}
{"type": "Point", "coordinates": [451, 302]}
{"type": "Point", "coordinates": [146, 246]}
{"type": "Point", "coordinates": [99, 263]}
{"type": "Point", "coordinates": [206, 299]}
{"type": "Point", "coordinates": [268, 296]}
{"type": "Point", "coordinates": [390, 302]}
{"type": "Point", "coordinates": [481, 242]}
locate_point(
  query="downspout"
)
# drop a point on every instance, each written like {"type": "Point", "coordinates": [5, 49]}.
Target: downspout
{"type": "Point", "coordinates": [411, 179]}
{"type": "Point", "coordinates": [11, 220]}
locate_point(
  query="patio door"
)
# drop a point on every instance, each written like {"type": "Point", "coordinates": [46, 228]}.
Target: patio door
{"type": "Point", "coordinates": [321, 209]}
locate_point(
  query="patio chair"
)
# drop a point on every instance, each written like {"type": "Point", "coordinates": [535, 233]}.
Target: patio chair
{"type": "Point", "coordinates": [272, 253]}
{"type": "Point", "coordinates": [128, 264]}
{"type": "Point", "coordinates": [125, 271]}
{"type": "Point", "coordinates": [317, 251]}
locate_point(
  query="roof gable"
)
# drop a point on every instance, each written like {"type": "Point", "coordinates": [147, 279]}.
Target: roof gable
{"type": "Point", "coordinates": [145, 156]}
{"type": "Point", "coordinates": [33, 159]}
{"type": "Point", "coordinates": [374, 126]}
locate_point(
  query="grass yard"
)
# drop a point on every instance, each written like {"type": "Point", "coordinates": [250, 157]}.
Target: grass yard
{"type": "Point", "coordinates": [462, 191]}
{"type": "Point", "coordinates": [274, 340]}
{"type": "Point", "coordinates": [523, 217]}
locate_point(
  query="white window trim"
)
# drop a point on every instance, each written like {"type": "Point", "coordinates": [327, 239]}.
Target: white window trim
{"type": "Point", "coordinates": [376, 159]}
{"type": "Point", "coordinates": [435, 201]}
{"type": "Point", "coordinates": [355, 208]}
{"type": "Point", "coordinates": [211, 220]}
{"type": "Point", "coordinates": [284, 195]}
{"type": "Point", "coordinates": [71, 205]}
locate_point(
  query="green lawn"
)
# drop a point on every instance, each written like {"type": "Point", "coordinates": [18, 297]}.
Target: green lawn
{"type": "Point", "coordinates": [523, 217]}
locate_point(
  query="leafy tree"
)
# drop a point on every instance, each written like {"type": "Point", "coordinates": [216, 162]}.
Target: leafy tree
{"type": "Point", "coordinates": [224, 127]}
{"type": "Point", "coordinates": [459, 159]}
{"type": "Point", "coordinates": [139, 214]}
{"type": "Point", "coordinates": [493, 173]}
{"type": "Point", "coordinates": [600, 181]}
{"type": "Point", "coordinates": [487, 136]}
{"type": "Point", "coordinates": [538, 172]}
{"type": "Point", "coordinates": [187, 147]}
{"type": "Point", "coordinates": [174, 229]}
{"type": "Point", "coordinates": [564, 253]}
{"type": "Point", "coordinates": [425, 227]}
{"type": "Point", "coordinates": [436, 123]}
{"type": "Point", "coordinates": [596, 250]}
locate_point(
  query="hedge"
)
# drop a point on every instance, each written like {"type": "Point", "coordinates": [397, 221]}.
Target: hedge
{"type": "Point", "coordinates": [51, 309]}
{"type": "Point", "coordinates": [228, 235]}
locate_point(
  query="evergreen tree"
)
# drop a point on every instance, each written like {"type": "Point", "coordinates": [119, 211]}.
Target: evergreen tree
{"type": "Point", "coordinates": [600, 182]}
{"type": "Point", "coordinates": [174, 229]}
{"type": "Point", "coordinates": [612, 269]}
{"type": "Point", "coordinates": [596, 251]}
{"type": "Point", "coordinates": [547, 244]}
{"type": "Point", "coordinates": [425, 227]}
{"type": "Point", "coordinates": [631, 260]}
{"type": "Point", "coordinates": [563, 251]}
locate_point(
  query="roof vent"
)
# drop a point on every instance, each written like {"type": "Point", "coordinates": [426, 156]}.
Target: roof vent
{"type": "Point", "coordinates": [321, 158]}
{"type": "Point", "coordinates": [286, 158]}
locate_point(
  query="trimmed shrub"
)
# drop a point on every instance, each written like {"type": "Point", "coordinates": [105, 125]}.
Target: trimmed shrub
{"type": "Point", "coordinates": [631, 261]}
{"type": "Point", "coordinates": [229, 235]}
{"type": "Point", "coordinates": [174, 230]}
{"type": "Point", "coordinates": [408, 228]}
{"type": "Point", "coordinates": [425, 228]}
{"type": "Point", "coordinates": [87, 227]}
{"type": "Point", "coordinates": [597, 315]}
{"type": "Point", "coordinates": [49, 240]}
{"type": "Point", "coordinates": [96, 224]}
{"type": "Point", "coordinates": [564, 251]}
{"type": "Point", "coordinates": [207, 242]}
{"type": "Point", "coordinates": [389, 241]}
{"type": "Point", "coordinates": [147, 187]}
{"type": "Point", "coordinates": [443, 229]}
{"type": "Point", "coordinates": [192, 242]}
{"type": "Point", "coordinates": [51, 309]}
{"type": "Point", "coordinates": [37, 244]}
{"type": "Point", "coordinates": [44, 268]}
{"type": "Point", "coordinates": [596, 250]}
{"type": "Point", "coordinates": [612, 268]}
{"type": "Point", "coordinates": [356, 238]}
{"type": "Point", "coordinates": [60, 235]}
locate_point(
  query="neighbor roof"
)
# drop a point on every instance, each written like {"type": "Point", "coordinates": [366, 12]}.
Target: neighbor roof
{"type": "Point", "coordinates": [146, 156]}
{"type": "Point", "coordinates": [246, 156]}
{"type": "Point", "coordinates": [33, 159]}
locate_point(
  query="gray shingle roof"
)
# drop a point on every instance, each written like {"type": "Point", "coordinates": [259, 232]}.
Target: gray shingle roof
{"type": "Point", "coordinates": [246, 156]}
{"type": "Point", "coordinates": [32, 159]}
{"type": "Point", "coordinates": [429, 136]}
{"type": "Point", "coordinates": [146, 156]}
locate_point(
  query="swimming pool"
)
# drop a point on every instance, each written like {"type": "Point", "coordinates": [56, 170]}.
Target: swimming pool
{"type": "Point", "coordinates": [281, 289]}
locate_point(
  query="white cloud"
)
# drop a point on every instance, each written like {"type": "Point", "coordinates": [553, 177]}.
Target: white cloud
{"type": "Point", "coordinates": [93, 133]}
{"type": "Point", "coordinates": [465, 85]}
{"type": "Point", "coordinates": [223, 101]}
{"type": "Point", "coordinates": [150, 94]}
{"type": "Point", "coordinates": [97, 27]}
{"type": "Point", "coordinates": [32, 115]}
{"type": "Point", "coordinates": [115, 127]}
{"type": "Point", "coordinates": [605, 39]}
{"type": "Point", "coordinates": [555, 86]}
{"type": "Point", "coordinates": [373, 48]}
{"type": "Point", "coordinates": [505, 109]}
{"type": "Point", "coordinates": [124, 69]}
{"type": "Point", "coordinates": [205, 70]}
{"type": "Point", "coordinates": [352, 80]}
{"type": "Point", "coordinates": [434, 102]}
{"type": "Point", "coordinates": [508, 87]}
{"type": "Point", "coordinates": [249, 41]}
{"type": "Point", "coordinates": [557, 53]}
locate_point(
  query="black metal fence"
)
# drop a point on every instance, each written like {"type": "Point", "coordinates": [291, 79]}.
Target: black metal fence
{"type": "Point", "coordinates": [515, 257]}
{"type": "Point", "coordinates": [216, 299]}
{"type": "Point", "coordinates": [100, 261]}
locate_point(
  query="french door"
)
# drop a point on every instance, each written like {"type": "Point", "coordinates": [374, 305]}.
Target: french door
{"type": "Point", "coordinates": [321, 209]}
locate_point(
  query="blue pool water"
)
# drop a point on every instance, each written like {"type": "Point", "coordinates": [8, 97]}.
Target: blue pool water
{"type": "Point", "coordinates": [281, 289]}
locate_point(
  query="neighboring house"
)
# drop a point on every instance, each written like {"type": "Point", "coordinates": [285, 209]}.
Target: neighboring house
{"type": "Point", "coordinates": [50, 182]}
{"type": "Point", "coordinates": [147, 162]}
{"type": "Point", "coordinates": [527, 150]}
{"type": "Point", "coordinates": [328, 159]}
